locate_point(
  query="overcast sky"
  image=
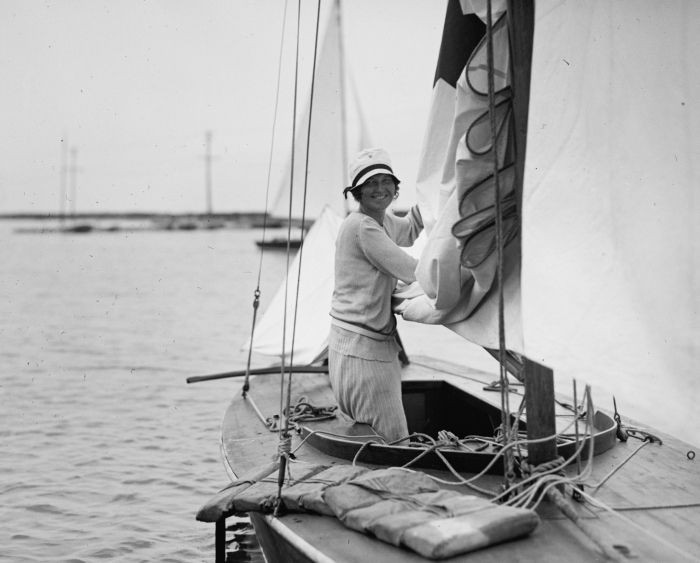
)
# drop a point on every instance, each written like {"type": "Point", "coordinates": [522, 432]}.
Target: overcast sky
{"type": "Point", "coordinates": [132, 86]}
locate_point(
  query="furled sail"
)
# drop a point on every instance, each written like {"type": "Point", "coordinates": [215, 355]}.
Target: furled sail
{"type": "Point", "coordinates": [457, 268]}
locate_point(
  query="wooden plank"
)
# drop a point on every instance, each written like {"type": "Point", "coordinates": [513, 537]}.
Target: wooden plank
{"type": "Point", "coordinates": [539, 403]}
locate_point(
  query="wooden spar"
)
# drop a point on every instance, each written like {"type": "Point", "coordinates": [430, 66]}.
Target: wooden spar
{"type": "Point", "coordinates": [220, 541]}
{"type": "Point", "coordinates": [258, 371]}
{"type": "Point", "coordinates": [521, 18]}
{"type": "Point", "coordinates": [539, 380]}
{"type": "Point", "coordinates": [343, 106]}
{"type": "Point", "coordinates": [539, 405]}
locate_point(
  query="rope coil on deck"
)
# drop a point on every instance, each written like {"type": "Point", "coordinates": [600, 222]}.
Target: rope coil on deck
{"type": "Point", "coordinates": [302, 411]}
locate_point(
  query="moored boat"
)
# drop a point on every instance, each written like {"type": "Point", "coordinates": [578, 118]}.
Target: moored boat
{"type": "Point", "coordinates": [546, 269]}
{"type": "Point", "coordinates": [279, 243]}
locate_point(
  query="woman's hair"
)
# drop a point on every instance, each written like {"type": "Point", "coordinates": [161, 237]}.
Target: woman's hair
{"type": "Point", "coordinates": [356, 191]}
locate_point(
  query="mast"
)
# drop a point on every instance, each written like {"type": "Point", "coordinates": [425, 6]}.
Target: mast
{"type": "Point", "coordinates": [539, 379]}
{"type": "Point", "coordinates": [343, 105]}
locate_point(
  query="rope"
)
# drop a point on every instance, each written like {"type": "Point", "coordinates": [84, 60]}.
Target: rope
{"type": "Point", "coordinates": [509, 473]}
{"type": "Point", "coordinates": [285, 437]}
{"type": "Point", "coordinates": [303, 211]}
{"type": "Point", "coordinates": [256, 293]}
{"type": "Point", "coordinates": [326, 433]}
{"type": "Point", "coordinates": [284, 446]}
{"type": "Point", "coordinates": [619, 466]}
{"type": "Point", "coordinates": [646, 531]}
{"type": "Point", "coordinates": [289, 212]}
{"type": "Point", "coordinates": [302, 411]}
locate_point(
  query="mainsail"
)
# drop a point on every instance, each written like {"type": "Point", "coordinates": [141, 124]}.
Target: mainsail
{"type": "Point", "coordinates": [602, 285]}
{"type": "Point", "coordinates": [610, 213]}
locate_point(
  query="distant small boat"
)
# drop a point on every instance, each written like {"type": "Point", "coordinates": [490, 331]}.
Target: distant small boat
{"type": "Point", "coordinates": [79, 228]}
{"type": "Point", "coordinates": [278, 243]}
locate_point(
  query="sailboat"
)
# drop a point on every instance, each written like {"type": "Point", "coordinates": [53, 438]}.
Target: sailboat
{"type": "Point", "coordinates": [557, 181]}
{"type": "Point", "coordinates": [323, 139]}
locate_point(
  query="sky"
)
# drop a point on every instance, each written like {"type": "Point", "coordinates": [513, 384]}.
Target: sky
{"type": "Point", "coordinates": [125, 91]}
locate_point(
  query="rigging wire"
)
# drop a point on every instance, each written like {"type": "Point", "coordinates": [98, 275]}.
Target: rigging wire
{"type": "Point", "coordinates": [303, 209]}
{"type": "Point", "coordinates": [284, 444]}
{"type": "Point", "coordinates": [509, 473]}
{"type": "Point", "coordinates": [285, 439]}
{"type": "Point", "coordinates": [256, 293]}
{"type": "Point", "coordinates": [289, 213]}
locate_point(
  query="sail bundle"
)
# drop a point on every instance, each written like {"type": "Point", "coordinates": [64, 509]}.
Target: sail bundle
{"type": "Point", "coordinates": [458, 266]}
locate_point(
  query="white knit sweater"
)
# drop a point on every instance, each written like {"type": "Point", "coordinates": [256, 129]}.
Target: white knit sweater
{"type": "Point", "coordinates": [368, 261]}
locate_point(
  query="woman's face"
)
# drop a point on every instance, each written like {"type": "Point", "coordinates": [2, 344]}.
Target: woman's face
{"type": "Point", "coordinates": [377, 193]}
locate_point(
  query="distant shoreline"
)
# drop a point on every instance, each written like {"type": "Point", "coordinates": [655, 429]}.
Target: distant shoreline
{"type": "Point", "coordinates": [146, 221]}
{"type": "Point", "coordinates": [252, 215]}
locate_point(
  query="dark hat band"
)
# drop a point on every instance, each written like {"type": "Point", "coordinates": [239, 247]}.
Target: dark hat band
{"type": "Point", "coordinates": [358, 177]}
{"type": "Point", "coordinates": [361, 177]}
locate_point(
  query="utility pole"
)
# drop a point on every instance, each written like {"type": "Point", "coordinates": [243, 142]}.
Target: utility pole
{"type": "Point", "coordinates": [63, 194]}
{"type": "Point", "coordinates": [207, 170]}
{"type": "Point", "coordinates": [73, 169]}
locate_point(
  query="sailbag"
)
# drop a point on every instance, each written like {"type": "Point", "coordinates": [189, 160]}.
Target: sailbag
{"type": "Point", "coordinates": [601, 280]}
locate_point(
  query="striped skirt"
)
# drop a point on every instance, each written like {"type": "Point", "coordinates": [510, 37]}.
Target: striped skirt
{"type": "Point", "coordinates": [365, 375]}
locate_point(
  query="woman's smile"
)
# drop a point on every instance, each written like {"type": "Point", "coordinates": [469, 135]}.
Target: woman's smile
{"type": "Point", "coordinates": [377, 194]}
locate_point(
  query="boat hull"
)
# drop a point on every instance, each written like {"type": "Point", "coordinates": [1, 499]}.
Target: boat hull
{"type": "Point", "coordinates": [659, 488]}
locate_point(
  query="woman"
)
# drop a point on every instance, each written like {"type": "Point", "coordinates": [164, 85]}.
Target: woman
{"type": "Point", "coordinates": [363, 351]}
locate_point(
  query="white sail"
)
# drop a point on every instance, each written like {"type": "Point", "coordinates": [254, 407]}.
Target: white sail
{"type": "Point", "coordinates": [310, 333]}
{"type": "Point", "coordinates": [610, 208]}
{"type": "Point", "coordinates": [334, 105]}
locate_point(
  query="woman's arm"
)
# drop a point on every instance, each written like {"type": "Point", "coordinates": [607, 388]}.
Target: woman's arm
{"type": "Point", "coordinates": [384, 254]}
{"type": "Point", "coordinates": [405, 230]}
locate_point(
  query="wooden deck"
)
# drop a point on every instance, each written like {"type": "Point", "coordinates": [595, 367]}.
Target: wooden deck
{"type": "Point", "coordinates": [655, 495]}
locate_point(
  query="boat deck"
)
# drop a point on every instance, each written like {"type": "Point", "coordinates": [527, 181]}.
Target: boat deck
{"type": "Point", "coordinates": [654, 496]}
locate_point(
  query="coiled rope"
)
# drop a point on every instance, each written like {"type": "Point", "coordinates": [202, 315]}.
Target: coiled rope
{"type": "Point", "coordinates": [302, 411]}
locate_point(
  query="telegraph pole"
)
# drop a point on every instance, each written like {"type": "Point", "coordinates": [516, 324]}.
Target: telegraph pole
{"type": "Point", "coordinates": [207, 170]}
{"type": "Point", "coordinates": [63, 195]}
{"type": "Point", "coordinates": [73, 170]}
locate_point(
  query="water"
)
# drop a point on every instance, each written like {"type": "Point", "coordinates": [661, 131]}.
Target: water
{"type": "Point", "coordinates": [106, 452]}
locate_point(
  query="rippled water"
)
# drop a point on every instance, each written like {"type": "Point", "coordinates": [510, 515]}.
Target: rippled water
{"type": "Point", "coordinates": [106, 452]}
